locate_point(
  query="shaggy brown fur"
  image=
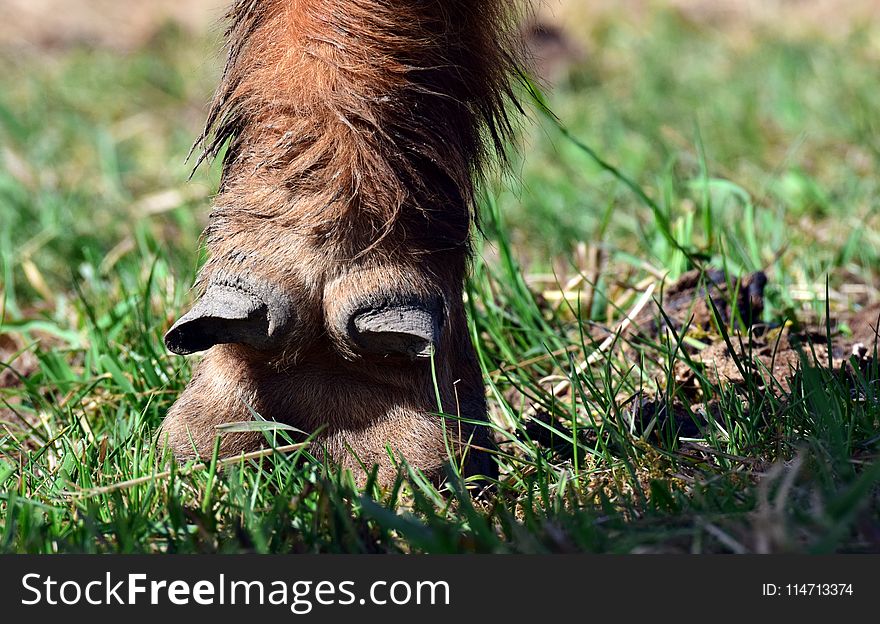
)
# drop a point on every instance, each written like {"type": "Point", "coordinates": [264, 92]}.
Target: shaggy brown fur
{"type": "Point", "coordinates": [356, 129]}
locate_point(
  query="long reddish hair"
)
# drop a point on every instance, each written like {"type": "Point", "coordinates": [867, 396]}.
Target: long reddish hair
{"type": "Point", "coordinates": [363, 117]}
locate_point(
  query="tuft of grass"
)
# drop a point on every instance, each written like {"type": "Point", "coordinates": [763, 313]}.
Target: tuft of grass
{"type": "Point", "coordinates": [669, 151]}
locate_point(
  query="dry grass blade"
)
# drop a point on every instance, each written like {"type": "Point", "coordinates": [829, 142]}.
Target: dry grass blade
{"type": "Point", "coordinates": [596, 355]}
{"type": "Point", "coordinates": [230, 461]}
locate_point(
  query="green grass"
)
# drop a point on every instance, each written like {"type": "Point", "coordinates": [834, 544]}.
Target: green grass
{"type": "Point", "coordinates": [674, 148]}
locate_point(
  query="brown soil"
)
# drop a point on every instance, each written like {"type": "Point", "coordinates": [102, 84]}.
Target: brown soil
{"type": "Point", "coordinates": [16, 364]}
{"type": "Point", "coordinates": [117, 24]}
{"type": "Point", "coordinates": [754, 360]}
{"type": "Point", "coordinates": [762, 358]}
{"type": "Point", "coordinates": [831, 17]}
{"type": "Point", "coordinates": [566, 24]}
{"type": "Point", "coordinates": [562, 32]}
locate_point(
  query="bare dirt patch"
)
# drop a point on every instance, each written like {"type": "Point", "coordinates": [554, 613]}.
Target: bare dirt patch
{"type": "Point", "coordinates": [833, 17]}
{"type": "Point", "coordinates": [713, 322]}
{"type": "Point", "coordinates": [751, 357]}
{"type": "Point", "coordinates": [563, 32]}
{"type": "Point", "coordinates": [122, 25]}
{"type": "Point", "coordinates": [127, 24]}
{"type": "Point", "coordinates": [17, 363]}
{"type": "Point", "coordinates": [15, 360]}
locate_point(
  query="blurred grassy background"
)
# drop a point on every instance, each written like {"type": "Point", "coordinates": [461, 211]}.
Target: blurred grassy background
{"type": "Point", "coordinates": [751, 127]}
{"type": "Point", "coordinates": [778, 99]}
